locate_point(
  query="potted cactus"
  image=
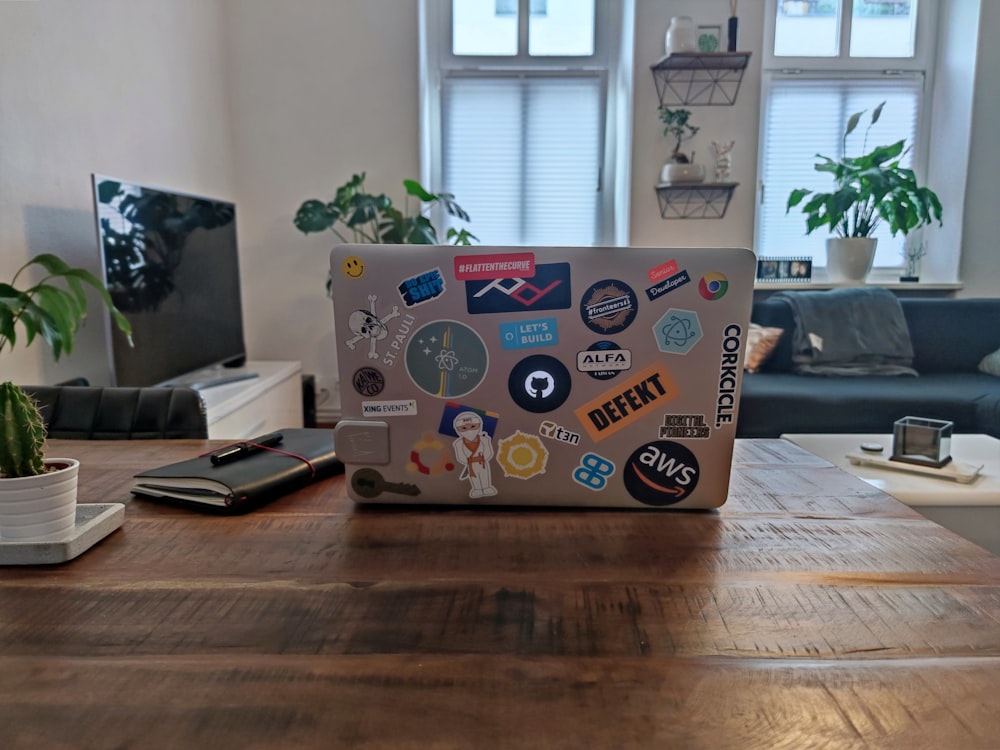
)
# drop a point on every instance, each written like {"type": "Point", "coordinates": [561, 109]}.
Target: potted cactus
{"type": "Point", "coordinates": [51, 309]}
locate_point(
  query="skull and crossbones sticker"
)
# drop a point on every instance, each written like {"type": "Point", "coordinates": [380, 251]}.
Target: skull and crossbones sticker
{"type": "Point", "coordinates": [365, 324]}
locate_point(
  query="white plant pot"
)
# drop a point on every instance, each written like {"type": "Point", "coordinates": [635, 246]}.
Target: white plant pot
{"type": "Point", "coordinates": [849, 259]}
{"type": "Point", "coordinates": [42, 507]}
{"type": "Point", "coordinates": [673, 173]}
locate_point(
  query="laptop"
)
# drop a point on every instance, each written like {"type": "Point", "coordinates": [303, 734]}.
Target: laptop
{"type": "Point", "coordinates": [573, 376]}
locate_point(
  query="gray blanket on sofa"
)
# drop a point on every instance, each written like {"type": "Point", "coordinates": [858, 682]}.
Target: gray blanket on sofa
{"type": "Point", "coordinates": [849, 332]}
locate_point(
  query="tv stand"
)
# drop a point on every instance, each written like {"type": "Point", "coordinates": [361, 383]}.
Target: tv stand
{"type": "Point", "coordinates": [243, 402]}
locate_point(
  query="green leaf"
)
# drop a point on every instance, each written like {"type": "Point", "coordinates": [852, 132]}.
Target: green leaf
{"type": "Point", "coordinates": [852, 123]}
{"type": "Point", "coordinates": [315, 216]}
{"type": "Point", "coordinates": [417, 190]}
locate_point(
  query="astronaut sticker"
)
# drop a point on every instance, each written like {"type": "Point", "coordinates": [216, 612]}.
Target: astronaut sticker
{"type": "Point", "coordinates": [365, 324]}
{"type": "Point", "coordinates": [474, 449]}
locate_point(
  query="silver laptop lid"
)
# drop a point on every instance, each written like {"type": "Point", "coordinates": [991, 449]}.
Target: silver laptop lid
{"type": "Point", "coordinates": [540, 376]}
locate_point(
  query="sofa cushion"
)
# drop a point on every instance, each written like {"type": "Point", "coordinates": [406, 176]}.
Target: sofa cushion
{"type": "Point", "coordinates": [990, 364]}
{"type": "Point", "coordinates": [761, 341]}
{"type": "Point", "coordinates": [784, 402]}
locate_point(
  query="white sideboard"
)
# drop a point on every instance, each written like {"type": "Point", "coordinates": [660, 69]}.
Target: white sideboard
{"type": "Point", "coordinates": [251, 406]}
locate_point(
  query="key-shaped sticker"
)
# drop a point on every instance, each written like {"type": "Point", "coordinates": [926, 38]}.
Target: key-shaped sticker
{"type": "Point", "coordinates": [369, 483]}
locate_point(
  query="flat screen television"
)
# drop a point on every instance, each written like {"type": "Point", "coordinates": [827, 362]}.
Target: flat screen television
{"type": "Point", "coordinates": [171, 265]}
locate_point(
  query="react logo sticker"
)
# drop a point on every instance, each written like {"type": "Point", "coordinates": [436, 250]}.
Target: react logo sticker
{"type": "Point", "coordinates": [539, 383]}
{"type": "Point", "coordinates": [661, 473]}
{"type": "Point", "coordinates": [521, 455]}
{"type": "Point", "coordinates": [609, 306]}
{"type": "Point", "coordinates": [713, 286]}
{"type": "Point", "coordinates": [446, 359]}
{"type": "Point", "coordinates": [677, 331]}
{"type": "Point", "coordinates": [353, 267]}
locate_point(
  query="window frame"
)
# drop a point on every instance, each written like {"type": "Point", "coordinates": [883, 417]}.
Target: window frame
{"type": "Point", "coordinates": [611, 61]}
{"type": "Point", "coordinates": [843, 67]}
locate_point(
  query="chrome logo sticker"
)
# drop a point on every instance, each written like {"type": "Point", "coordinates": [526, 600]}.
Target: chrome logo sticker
{"type": "Point", "coordinates": [713, 286]}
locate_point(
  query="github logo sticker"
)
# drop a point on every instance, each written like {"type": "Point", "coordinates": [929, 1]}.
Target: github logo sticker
{"type": "Point", "coordinates": [539, 383]}
{"type": "Point", "coordinates": [661, 473]}
{"type": "Point", "coordinates": [713, 286]}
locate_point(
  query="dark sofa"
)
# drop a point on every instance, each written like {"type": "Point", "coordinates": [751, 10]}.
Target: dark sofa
{"type": "Point", "coordinates": [949, 337]}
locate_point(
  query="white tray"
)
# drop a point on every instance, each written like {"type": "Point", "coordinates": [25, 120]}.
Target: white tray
{"type": "Point", "coordinates": [94, 521]}
{"type": "Point", "coordinates": [954, 470]}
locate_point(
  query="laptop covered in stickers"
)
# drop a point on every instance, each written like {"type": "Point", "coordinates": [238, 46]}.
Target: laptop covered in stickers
{"type": "Point", "coordinates": [577, 376]}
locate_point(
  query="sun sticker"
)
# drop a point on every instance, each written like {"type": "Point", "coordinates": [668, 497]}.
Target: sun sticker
{"type": "Point", "coordinates": [521, 455]}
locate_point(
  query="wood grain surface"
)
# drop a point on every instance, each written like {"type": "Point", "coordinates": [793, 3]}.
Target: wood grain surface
{"type": "Point", "coordinates": [809, 611]}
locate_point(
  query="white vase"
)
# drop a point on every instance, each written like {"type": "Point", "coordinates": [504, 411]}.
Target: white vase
{"type": "Point", "coordinates": [682, 35]}
{"type": "Point", "coordinates": [41, 507]}
{"type": "Point", "coordinates": [673, 173]}
{"type": "Point", "coordinates": [849, 259]}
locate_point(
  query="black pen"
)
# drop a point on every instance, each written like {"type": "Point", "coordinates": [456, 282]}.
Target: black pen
{"type": "Point", "coordinates": [238, 451]}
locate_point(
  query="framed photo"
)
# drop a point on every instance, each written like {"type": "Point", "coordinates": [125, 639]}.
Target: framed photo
{"type": "Point", "coordinates": [784, 270]}
{"type": "Point", "coordinates": [710, 38]}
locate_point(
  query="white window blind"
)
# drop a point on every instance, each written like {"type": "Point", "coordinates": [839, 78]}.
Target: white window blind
{"type": "Point", "coordinates": [805, 116]}
{"type": "Point", "coordinates": [523, 154]}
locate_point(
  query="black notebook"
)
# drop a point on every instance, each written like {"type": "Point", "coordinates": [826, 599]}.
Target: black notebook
{"type": "Point", "coordinates": [304, 455]}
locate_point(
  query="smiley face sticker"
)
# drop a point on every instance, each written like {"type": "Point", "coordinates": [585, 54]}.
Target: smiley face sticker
{"type": "Point", "coordinates": [353, 267]}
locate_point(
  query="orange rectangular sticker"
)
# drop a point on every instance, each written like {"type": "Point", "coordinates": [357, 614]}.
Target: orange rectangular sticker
{"type": "Point", "coordinates": [620, 406]}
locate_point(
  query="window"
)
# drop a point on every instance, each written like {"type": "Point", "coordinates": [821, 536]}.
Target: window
{"type": "Point", "coordinates": [522, 121]}
{"type": "Point", "coordinates": [825, 60]}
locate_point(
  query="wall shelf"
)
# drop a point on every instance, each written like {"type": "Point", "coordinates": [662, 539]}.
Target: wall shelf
{"type": "Point", "coordinates": [696, 200]}
{"type": "Point", "coordinates": [699, 78]}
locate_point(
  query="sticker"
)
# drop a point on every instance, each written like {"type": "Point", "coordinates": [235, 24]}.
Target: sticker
{"type": "Point", "coordinates": [524, 334]}
{"type": "Point", "coordinates": [668, 285]}
{"type": "Point", "coordinates": [728, 370]}
{"type": "Point", "coordinates": [684, 426]}
{"type": "Point", "coordinates": [620, 406]}
{"type": "Point", "coordinates": [422, 288]}
{"type": "Point", "coordinates": [539, 383]}
{"type": "Point", "coordinates": [677, 331]}
{"type": "Point", "coordinates": [713, 286]}
{"type": "Point", "coordinates": [370, 483]}
{"type": "Point", "coordinates": [553, 431]}
{"type": "Point", "coordinates": [549, 289]}
{"type": "Point", "coordinates": [446, 358]}
{"type": "Point", "coordinates": [593, 472]}
{"type": "Point", "coordinates": [403, 329]}
{"type": "Point", "coordinates": [609, 306]}
{"type": "Point", "coordinates": [429, 456]}
{"type": "Point", "coordinates": [401, 408]}
{"type": "Point", "coordinates": [604, 360]}
{"type": "Point", "coordinates": [353, 267]}
{"type": "Point", "coordinates": [521, 455]}
{"type": "Point", "coordinates": [452, 410]}
{"type": "Point", "coordinates": [368, 381]}
{"type": "Point", "coordinates": [366, 325]}
{"type": "Point", "coordinates": [496, 266]}
{"type": "Point", "coordinates": [661, 473]}
{"type": "Point", "coordinates": [662, 271]}
{"type": "Point", "coordinates": [473, 449]}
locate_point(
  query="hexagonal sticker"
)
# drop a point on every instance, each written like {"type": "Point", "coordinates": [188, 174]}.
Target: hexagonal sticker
{"type": "Point", "coordinates": [677, 331]}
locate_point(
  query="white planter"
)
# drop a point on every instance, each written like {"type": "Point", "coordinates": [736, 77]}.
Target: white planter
{"type": "Point", "coordinates": [41, 507]}
{"type": "Point", "coordinates": [680, 173]}
{"type": "Point", "coordinates": [849, 259]}
{"type": "Point", "coordinates": [682, 35]}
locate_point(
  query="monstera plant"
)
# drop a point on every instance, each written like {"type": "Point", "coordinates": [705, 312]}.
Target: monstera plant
{"type": "Point", "coordinates": [359, 217]}
{"type": "Point", "coordinates": [51, 309]}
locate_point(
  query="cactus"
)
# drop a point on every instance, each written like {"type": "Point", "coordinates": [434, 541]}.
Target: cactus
{"type": "Point", "coordinates": [22, 433]}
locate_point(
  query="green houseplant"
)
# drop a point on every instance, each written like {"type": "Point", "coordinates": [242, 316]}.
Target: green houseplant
{"type": "Point", "coordinates": [679, 167]}
{"type": "Point", "coordinates": [869, 189]}
{"type": "Point", "coordinates": [357, 216]}
{"type": "Point", "coordinates": [51, 309]}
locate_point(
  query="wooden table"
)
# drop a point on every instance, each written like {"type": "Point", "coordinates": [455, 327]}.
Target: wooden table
{"type": "Point", "coordinates": [811, 611]}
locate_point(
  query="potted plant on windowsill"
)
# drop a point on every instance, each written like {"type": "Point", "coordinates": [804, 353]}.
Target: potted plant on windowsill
{"type": "Point", "coordinates": [679, 167]}
{"type": "Point", "coordinates": [356, 216]}
{"type": "Point", "coordinates": [38, 494]}
{"type": "Point", "coordinates": [870, 189]}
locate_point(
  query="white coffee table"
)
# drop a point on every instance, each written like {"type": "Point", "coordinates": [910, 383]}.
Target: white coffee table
{"type": "Point", "coordinates": [970, 510]}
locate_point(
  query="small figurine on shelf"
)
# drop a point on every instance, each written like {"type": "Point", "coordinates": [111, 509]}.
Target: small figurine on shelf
{"type": "Point", "coordinates": [723, 161]}
{"type": "Point", "coordinates": [914, 250]}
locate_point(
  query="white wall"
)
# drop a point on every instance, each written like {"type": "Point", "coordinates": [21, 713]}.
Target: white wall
{"type": "Point", "coordinates": [132, 90]}
{"type": "Point", "coordinates": [318, 90]}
